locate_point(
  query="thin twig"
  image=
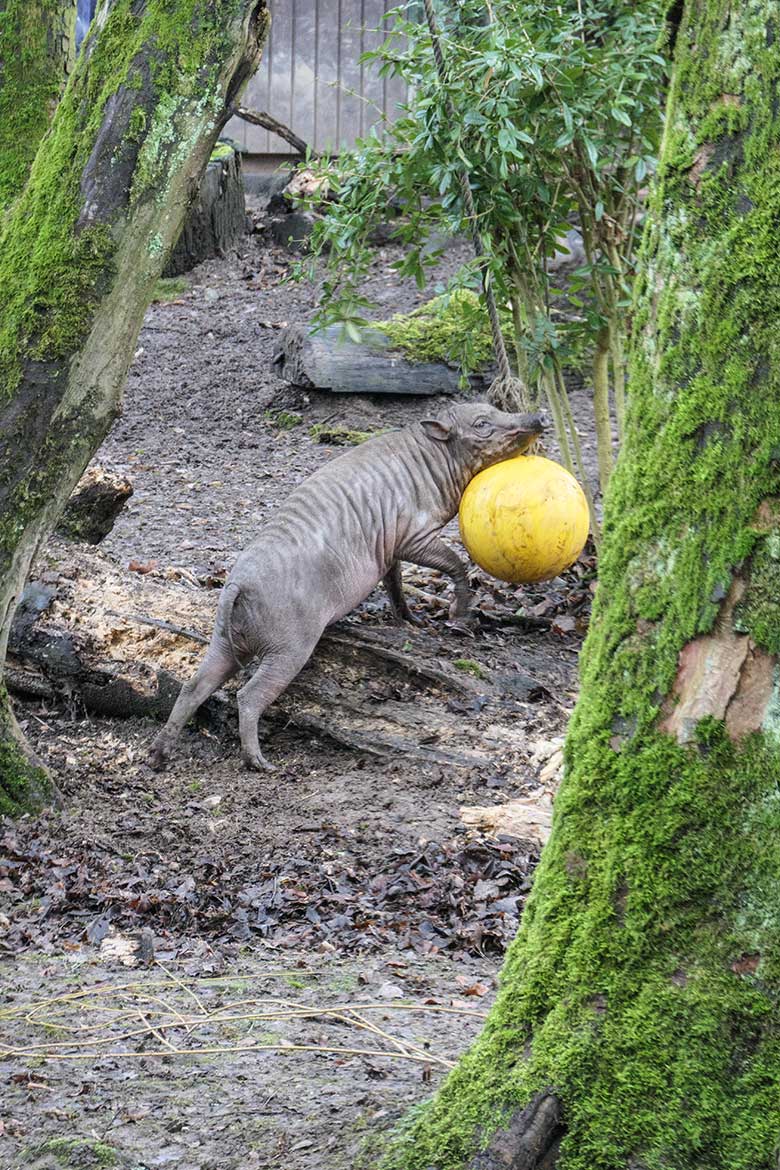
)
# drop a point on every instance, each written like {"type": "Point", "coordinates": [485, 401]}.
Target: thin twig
{"type": "Point", "coordinates": [172, 975]}
{"type": "Point", "coordinates": [155, 1030]}
{"type": "Point", "coordinates": [223, 1051]}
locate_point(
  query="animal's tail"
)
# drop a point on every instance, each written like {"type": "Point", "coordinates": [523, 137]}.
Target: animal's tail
{"type": "Point", "coordinates": [225, 613]}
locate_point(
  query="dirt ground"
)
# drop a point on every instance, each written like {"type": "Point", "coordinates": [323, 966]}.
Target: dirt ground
{"type": "Point", "coordinates": [292, 899]}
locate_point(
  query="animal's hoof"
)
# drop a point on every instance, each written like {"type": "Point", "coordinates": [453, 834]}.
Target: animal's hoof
{"type": "Point", "coordinates": [406, 617]}
{"type": "Point", "coordinates": [256, 762]}
{"type": "Point", "coordinates": [459, 609]}
{"type": "Point", "coordinates": [158, 757]}
{"type": "Point", "coordinates": [465, 623]}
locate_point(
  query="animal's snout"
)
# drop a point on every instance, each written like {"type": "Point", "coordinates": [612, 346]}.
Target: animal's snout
{"type": "Point", "coordinates": [530, 424]}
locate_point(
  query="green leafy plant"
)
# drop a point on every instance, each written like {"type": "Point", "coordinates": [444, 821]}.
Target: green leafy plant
{"type": "Point", "coordinates": [559, 123]}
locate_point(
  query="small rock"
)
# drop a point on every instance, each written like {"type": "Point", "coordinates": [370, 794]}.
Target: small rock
{"type": "Point", "coordinates": [390, 991]}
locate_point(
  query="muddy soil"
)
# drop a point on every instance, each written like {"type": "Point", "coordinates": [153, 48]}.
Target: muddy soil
{"type": "Point", "coordinates": [338, 877]}
{"type": "Point", "coordinates": [307, 1060]}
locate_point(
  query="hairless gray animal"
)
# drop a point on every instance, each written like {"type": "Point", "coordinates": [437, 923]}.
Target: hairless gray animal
{"type": "Point", "coordinates": [342, 531]}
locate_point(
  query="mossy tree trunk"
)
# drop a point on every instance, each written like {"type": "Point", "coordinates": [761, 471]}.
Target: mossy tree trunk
{"type": "Point", "coordinates": [81, 250]}
{"type": "Point", "coordinates": [37, 51]}
{"type": "Point", "coordinates": [638, 1021]}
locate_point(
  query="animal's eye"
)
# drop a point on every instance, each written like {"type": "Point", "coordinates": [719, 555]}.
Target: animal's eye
{"type": "Point", "coordinates": [484, 426]}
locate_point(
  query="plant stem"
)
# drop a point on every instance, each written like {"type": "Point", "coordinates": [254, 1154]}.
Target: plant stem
{"type": "Point", "coordinates": [595, 527]}
{"type": "Point", "coordinates": [601, 407]}
{"type": "Point", "coordinates": [529, 398]}
{"type": "Point", "coordinates": [618, 376]}
{"type": "Point", "coordinates": [559, 423]}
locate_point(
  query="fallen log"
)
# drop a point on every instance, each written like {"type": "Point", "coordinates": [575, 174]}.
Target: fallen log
{"type": "Point", "coordinates": [329, 361]}
{"type": "Point", "coordinates": [121, 644]}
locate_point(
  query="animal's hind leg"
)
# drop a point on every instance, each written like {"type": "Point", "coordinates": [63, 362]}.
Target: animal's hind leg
{"type": "Point", "coordinates": [276, 671]}
{"type": "Point", "coordinates": [216, 668]}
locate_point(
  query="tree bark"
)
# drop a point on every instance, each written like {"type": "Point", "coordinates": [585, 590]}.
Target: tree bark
{"type": "Point", "coordinates": [643, 990]}
{"type": "Point", "coordinates": [37, 52]}
{"type": "Point", "coordinates": [83, 246]}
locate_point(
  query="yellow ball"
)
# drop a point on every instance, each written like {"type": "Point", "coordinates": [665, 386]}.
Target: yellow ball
{"type": "Point", "coordinates": [525, 519]}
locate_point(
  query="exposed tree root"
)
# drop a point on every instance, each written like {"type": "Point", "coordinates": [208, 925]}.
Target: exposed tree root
{"type": "Point", "coordinates": [531, 1140]}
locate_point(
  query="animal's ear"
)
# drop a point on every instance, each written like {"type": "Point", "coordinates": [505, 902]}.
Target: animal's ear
{"type": "Point", "coordinates": [437, 428]}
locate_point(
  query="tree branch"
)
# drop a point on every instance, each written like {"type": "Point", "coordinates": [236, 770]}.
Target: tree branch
{"type": "Point", "coordinates": [259, 118]}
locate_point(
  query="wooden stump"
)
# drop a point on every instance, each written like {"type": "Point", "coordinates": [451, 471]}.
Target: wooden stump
{"type": "Point", "coordinates": [216, 221]}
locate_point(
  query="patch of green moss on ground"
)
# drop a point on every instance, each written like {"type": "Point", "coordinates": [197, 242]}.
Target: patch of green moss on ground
{"type": "Point", "coordinates": [75, 1153]}
{"type": "Point", "coordinates": [284, 420]}
{"type": "Point", "coordinates": [644, 985]}
{"type": "Point", "coordinates": [468, 666]}
{"type": "Point", "coordinates": [168, 288]}
{"type": "Point", "coordinates": [340, 436]}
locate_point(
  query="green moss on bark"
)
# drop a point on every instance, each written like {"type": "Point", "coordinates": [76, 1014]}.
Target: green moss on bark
{"type": "Point", "coordinates": [75, 1153]}
{"type": "Point", "coordinates": [53, 260]}
{"type": "Point", "coordinates": [22, 785]}
{"type": "Point", "coordinates": [644, 985]}
{"type": "Point", "coordinates": [37, 46]}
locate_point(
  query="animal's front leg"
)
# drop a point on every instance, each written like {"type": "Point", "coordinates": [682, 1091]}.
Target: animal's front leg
{"type": "Point", "coordinates": [398, 604]}
{"type": "Point", "coordinates": [435, 554]}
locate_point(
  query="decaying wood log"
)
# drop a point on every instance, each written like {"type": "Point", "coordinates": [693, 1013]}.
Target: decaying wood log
{"type": "Point", "coordinates": [525, 816]}
{"type": "Point", "coordinates": [99, 497]}
{"type": "Point", "coordinates": [329, 361]}
{"type": "Point", "coordinates": [121, 644]}
{"type": "Point", "coordinates": [216, 219]}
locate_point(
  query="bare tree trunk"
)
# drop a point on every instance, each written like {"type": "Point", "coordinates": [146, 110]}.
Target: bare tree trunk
{"type": "Point", "coordinates": [82, 248]}
{"type": "Point", "coordinates": [37, 52]}
{"type": "Point", "coordinates": [638, 1022]}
